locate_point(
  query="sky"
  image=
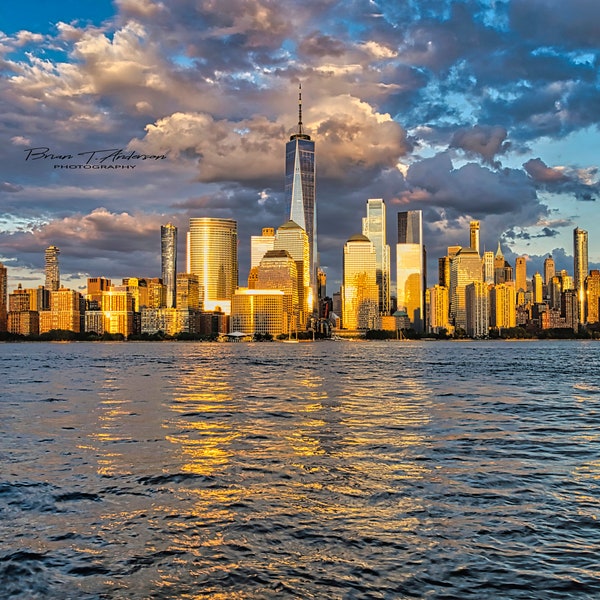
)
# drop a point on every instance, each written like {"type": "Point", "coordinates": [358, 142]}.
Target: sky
{"type": "Point", "coordinates": [483, 110]}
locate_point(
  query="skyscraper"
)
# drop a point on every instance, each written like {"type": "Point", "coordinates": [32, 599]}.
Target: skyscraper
{"type": "Point", "coordinates": [474, 235]}
{"type": "Point", "coordinates": [260, 245]}
{"type": "Point", "coordinates": [212, 256]}
{"type": "Point", "coordinates": [300, 180]}
{"type": "Point", "coordinates": [374, 225]}
{"type": "Point", "coordinates": [549, 269]}
{"type": "Point", "coordinates": [278, 271]}
{"type": "Point", "coordinates": [521, 274]}
{"type": "Point", "coordinates": [592, 292]}
{"type": "Point", "coordinates": [488, 266]}
{"type": "Point", "coordinates": [477, 308]}
{"type": "Point", "coordinates": [538, 288]}
{"type": "Point", "coordinates": [580, 260]}
{"type": "Point", "coordinates": [464, 269]}
{"type": "Point", "coordinates": [52, 271]}
{"type": "Point", "coordinates": [410, 227]}
{"type": "Point", "coordinates": [3, 297]}
{"type": "Point", "coordinates": [410, 267]}
{"type": "Point", "coordinates": [360, 294]}
{"type": "Point", "coordinates": [168, 262]}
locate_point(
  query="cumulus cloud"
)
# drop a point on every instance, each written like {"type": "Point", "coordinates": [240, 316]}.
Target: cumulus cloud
{"type": "Point", "coordinates": [352, 138]}
{"type": "Point", "coordinates": [579, 182]}
{"type": "Point", "coordinates": [484, 141]}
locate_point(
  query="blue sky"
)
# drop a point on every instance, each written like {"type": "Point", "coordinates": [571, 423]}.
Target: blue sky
{"type": "Point", "coordinates": [464, 109]}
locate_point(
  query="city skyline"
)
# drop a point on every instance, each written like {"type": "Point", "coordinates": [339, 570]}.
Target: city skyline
{"type": "Point", "coordinates": [398, 107]}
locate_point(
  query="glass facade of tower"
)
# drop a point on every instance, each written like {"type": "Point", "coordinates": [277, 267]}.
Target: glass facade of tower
{"type": "Point", "coordinates": [410, 227]}
{"type": "Point", "coordinates": [168, 260]}
{"type": "Point", "coordinates": [360, 293]}
{"type": "Point", "coordinates": [260, 245]}
{"type": "Point", "coordinates": [278, 271]}
{"type": "Point", "coordinates": [291, 237]}
{"type": "Point", "coordinates": [52, 272]}
{"type": "Point", "coordinates": [580, 264]}
{"type": "Point", "coordinates": [3, 297]}
{"type": "Point", "coordinates": [465, 269]}
{"type": "Point", "coordinates": [410, 267]}
{"type": "Point", "coordinates": [257, 311]}
{"type": "Point", "coordinates": [409, 282]}
{"type": "Point", "coordinates": [212, 256]}
{"type": "Point", "coordinates": [374, 225]}
{"type": "Point", "coordinates": [300, 194]}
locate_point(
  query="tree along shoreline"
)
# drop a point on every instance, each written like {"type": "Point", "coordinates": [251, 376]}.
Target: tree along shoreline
{"type": "Point", "coordinates": [513, 333]}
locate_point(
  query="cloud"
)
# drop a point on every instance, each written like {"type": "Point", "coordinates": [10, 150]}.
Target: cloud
{"type": "Point", "coordinates": [353, 139]}
{"type": "Point", "coordinates": [481, 140]}
{"type": "Point", "coordinates": [551, 22]}
{"type": "Point", "coordinates": [11, 188]}
{"type": "Point", "coordinates": [579, 182]}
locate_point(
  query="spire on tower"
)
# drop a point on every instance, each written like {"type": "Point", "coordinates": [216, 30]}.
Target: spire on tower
{"type": "Point", "coordinates": [300, 135]}
{"type": "Point", "coordinates": [300, 108]}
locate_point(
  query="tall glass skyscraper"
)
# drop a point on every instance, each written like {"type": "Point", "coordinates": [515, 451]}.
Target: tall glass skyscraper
{"type": "Point", "coordinates": [300, 189]}
{"type": "Point", "coordinates": [374, 228]}
{"type": "Point", "coordinates": [168, 262]}
{"type": "Point", "coordinates": [212, 256]}
{"type": "Point", "coordinates": [410, 227]}
{"type": "Point", "coordinates": [410, 267]}
{"type": "Point", "coordinates": [3, 297]}
{"type": "Point", "coordinates": [360, 294]}
{"type": "Point", "coordinates": [52, 271]}
{"type": "Point", "coordinates": [580, 263]}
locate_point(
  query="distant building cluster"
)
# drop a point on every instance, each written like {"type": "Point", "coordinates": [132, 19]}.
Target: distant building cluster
{"type": "Point", "coordinates": [476, 293]}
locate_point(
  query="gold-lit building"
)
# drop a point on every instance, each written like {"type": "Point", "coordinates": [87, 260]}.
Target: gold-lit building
{"type": "Point", "coordinates": [488, 266]}
{"type": "Point", "coordinates": [168, 263]}
{"type": "Point", "coordinates": [117, 312]}
{"type": "Point", "coordinates": [66, 312]}
{"type": "Point", "coordinates": [51, 269]}
{"type": "Point", "coordinates": [410, 267]}
{"type": "Point", "coordinates": [170, 321]}
{"type": "Point", "coordinates": [138, 288]}
{"type": "Point", "coordinates": [592, 292]}
{"type": "Point", "coordinates": [212, 256]}
{"type": "Point", "coordinates": [258, 311]}
{"type": "Point", "coordinates": [580, 268]}
{"type": "Point", "coordinates": [360, 293]}
{"type": "Point", "coordinates": [22, 320]}
{"type": "Point", "coordinates": [464, 269]}
{"type": "Point", "coordinates": [374, 227]}
{"type": "Point", "coordinates": [477, 309]}
{"type": "Point", "coordinates": [3, 297]}
{"type": "Point", "coordinates": [260, 245]}
{"type": "Point", "coordinates": [474, 235]}
{"type": "Point", "coordinates": [537, 284]}
{"type": "Point", "coordinates": [188, 291]}
{"type": "Point", "coordinates": [521, 274]}
{"type": "Point", "coordinates": [277, 271]}
{"type": "Point", "coordinates": [503, 306]}
{"type": "Point", "coordinates": [291, 237]}
{"type": "Point", "coordinates": [439, 305]}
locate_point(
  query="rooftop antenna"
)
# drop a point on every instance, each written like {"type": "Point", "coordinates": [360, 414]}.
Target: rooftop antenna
{"type": "Point", "coordinates": [300, 135]}
{"type": "Point", "coordinates": [300, 109]}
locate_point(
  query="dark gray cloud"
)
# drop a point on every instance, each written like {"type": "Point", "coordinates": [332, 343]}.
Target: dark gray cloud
{"type": "Point", "coordinates": [480, 140]}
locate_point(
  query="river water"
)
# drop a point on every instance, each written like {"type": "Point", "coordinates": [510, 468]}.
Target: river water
{"type": "Point", "coordinates": [327, 470]}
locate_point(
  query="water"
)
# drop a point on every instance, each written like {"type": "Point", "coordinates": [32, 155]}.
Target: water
{"type": "Point", "coordinates": [326, 470]}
